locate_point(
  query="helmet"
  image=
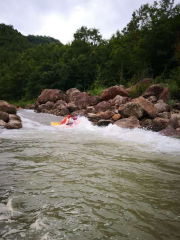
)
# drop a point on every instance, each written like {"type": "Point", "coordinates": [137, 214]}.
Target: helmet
{"type": "Point", "coordinates": [68, 116]}
{"type": "Point", "coordinates": [74, 118]}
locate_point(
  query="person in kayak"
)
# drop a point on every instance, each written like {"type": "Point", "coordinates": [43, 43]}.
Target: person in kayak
{"type": "Point", "coordinates": [68, 120]}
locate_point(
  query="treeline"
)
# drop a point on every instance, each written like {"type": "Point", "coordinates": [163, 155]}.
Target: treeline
{"type": "Point", "coordinates": [149, 46]}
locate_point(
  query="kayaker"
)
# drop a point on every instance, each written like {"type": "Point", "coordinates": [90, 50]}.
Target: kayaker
{"type": "Point", "coordinates": [66, 120]}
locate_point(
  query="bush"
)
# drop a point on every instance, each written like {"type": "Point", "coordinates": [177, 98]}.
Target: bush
{"type": "Point", "coordinates": [138, 90]}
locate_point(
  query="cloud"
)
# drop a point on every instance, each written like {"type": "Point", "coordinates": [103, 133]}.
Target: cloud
{"type": "Point", "coordinates": [60, 19]}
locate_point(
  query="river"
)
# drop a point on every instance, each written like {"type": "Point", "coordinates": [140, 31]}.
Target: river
{"type": "Point", "coordinates": [87, 182]}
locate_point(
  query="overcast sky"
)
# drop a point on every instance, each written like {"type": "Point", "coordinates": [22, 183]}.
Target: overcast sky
{"type": "Point", "coordinates": [61, 18]}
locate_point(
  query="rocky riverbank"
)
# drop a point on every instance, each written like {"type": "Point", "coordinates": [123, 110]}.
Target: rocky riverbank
{"type": "Point", "coordinates": [8, 116]}
{"type": "Point", "coordinates": [149, 111]}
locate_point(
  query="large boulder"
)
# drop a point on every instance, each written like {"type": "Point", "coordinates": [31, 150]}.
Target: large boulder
{"type": "Point", "coordinates": [64, 111]}
{"type": "Point", "coordinates": [94, 100]}
{"type": "Point", "coordinates": [52, 95]}
{"type": "Point", "coordinates": [14, 117]}
{"type": "Point", "coordinates": [165, 95]}
{"type": "Point", "coordinates": [102, 107]}
{"type": "Point", "coordinates": [4, 116]}
{"type": "Point", "coordinates": [82, 100]}
{"type": "Point", "coordinates": [7, 107]}
{"type": "Point", "coordinates": [173, 128]}
{"type": "Point", "coordinates": [2, 123]}
{"type": "Point", "coordinates": [72, 94]}
{"type": "Point", "coordinates": [131, 122]}
{"type": "Point", "coordinates": [132, 109]}
{"type": "Point", "coordinates": [154, 90]}
{"type": "Point", "coordinates": [146, 123]}
{"type": "Point", "coordinates": [111, 92]}
{"type": "Point", "coordinates": [148, 107]}
{"type": "Point", "coordinates": [161, 106]}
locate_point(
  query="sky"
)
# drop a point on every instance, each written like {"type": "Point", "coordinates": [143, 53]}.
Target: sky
{"type": "Point", "coordinates": [61, 18]}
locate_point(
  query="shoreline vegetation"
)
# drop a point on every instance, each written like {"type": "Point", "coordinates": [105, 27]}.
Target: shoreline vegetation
{"type": "Point", "coordinates": [148, 47]}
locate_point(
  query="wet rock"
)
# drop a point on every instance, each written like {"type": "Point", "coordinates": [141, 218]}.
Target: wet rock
{"type": "Point", "coordinates": [13, 124]}
{"type": "Point", "coordinates": [161, 106]}
{"type": "Point", "coordinates": [173, 128]}
{"type": "Point", "coordinates": [64, 111]}
{"type": "Point", "coordinates": [103, 123]}
{"type": "Point", "coordinates": [46, 106]}
{"type": "Point", "coordinates": [14, 117]}
{"type": "Point", "coordinates": [154, 90]}
{"type": "Point", "coordinates": [148, 107]}
{"type": "Point", "coordinates": [146, 123]}
{"type": "Point", "coordinates": [131, 122]}
{"type": "Point", "coordinates": [165, 95]}
{"type": "Point", "coordinates": [111, 92]}
{"type": "Point", "coordinates": [102, 107]}
{"type": "Point", "coordinates": [4, 116]}
{"type": "Point", "coordinates": [2, 123]}
{"type": "Point", "coordinates": [132, 109]}
{"type": "Point", "coordinates": [159, 124]}
{"type": "Point", "coordinates": [106, 115]}
{"type": "Point", "coordinates": [7, 107]}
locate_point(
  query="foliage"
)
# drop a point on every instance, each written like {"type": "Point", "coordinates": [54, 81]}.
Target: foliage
{"type": "Point", "coordinates": [138, 90]}
{"type": "Point", "coordinates": [149, 46]}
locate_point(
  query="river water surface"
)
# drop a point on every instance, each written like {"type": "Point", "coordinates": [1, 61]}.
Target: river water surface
{"type": "Point", "coordinates": [87, 183]}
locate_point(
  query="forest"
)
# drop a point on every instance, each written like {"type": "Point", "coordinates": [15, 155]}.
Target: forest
{"type": "Point", "coordinates": [148, 47]}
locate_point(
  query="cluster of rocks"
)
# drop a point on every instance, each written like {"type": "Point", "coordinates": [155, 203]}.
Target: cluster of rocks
{"type": "Point", "coordinates": [8, 117]}
{"type": "Point", "coordinates": [149, 111]}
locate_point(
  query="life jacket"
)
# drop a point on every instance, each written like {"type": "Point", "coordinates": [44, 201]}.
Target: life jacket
{"type": "Point", "coordinates": [65, 120]}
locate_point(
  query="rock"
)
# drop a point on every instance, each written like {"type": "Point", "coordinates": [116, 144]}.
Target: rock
{"type": "Point", "coordinates": [148, 107]}
{"type": "Point", "coordinates": [7, 107]}
{"type": "Point", "coordinates": [82, 100]}
{"type": "Point", "coordinates": [14, 117]}
{"type": "Point", "coordinates": [94, 100]}
{"type": "Point", "coordinates": [111, 92]}
{"type": "Point", "coordinates": [173, 128]}
{"type": "Point", "coordinates": [90, 110]}
{"type": "Point", "coordinates": [52, 95]}
{"type": "Point", "coordinates": [78, 113]}
{"type": "Point", "coordinates": [102, 107]}
{"type": "Point", "coordinates": [131, 122]}
{"type": "Point", "coordinates": [72, 107]}
{"type": "Point", "coordinates": [46, 106]}
{"type": "Point", "coordinates": [152, 99]}
{"type": "Point", "coordinates": [13, 124]}
{"type": "Point", "coordinates": [93, 117]}
{"type": "Point", "coordinates": [103, 123]}
{"type": "Point", "coordinates": [119, 100]}
{"type": "Point", "coordinates": [146, 123]}
{"type": "Point", "coordinates": [132, 109]}
{"type": "Point", "coordinates": [64, 111]}
{"type": "Point", "coordinates": [166, 115]}
{"type": "Point", "coordinates": [116, 117]}
{"type": "Point", "coordinates": [106, 115]}
{"type": "Point", "coordinates": [2, 123]}
{"type": "Point", "coordinates": [159, 124]}
{"type": "Point", "coordinates": [161, 106]}
{"type": "Point", "coordinates": [145, 82]}
{"type": "Point", "coordinates": [60, 104]}
{"type": "Point", "coordinates": [154, 90]}
{"type": "Point", "coordinates": [4, 116]}
{"type": "Point", "coordinates": [165, 95]}
{"type": "Point", "coordinates": [72, 94]}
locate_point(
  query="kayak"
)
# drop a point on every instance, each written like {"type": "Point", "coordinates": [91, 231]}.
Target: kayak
{"type": "Point", "coordinates": [60, 125]}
